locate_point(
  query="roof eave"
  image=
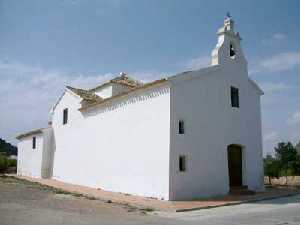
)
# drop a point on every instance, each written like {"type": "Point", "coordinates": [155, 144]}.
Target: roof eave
{"type": "Point", "coordinates": [256, 87]}
{"type": "Point", "coordinates": [155, 83]}
{"type": "Point", "coordinates": [189, 75]}
{"type": "Point", "coordinates": [29, 133]}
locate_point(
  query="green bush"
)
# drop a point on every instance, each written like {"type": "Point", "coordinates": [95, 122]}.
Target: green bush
{"type": "Point", "coordinates": [11, 162]}
{"type": "Point", "coordinates": [3, 163]}
{"type": "Point", "coordinates": [286, 172]}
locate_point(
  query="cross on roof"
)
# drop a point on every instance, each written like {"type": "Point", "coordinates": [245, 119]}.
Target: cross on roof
{"type": "Point", "coordinates": [228, 15]}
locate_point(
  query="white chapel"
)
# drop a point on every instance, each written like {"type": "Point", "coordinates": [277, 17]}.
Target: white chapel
{"type": "Point", "coordinates": [192, 135]}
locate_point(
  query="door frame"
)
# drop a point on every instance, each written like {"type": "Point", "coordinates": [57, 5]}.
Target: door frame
{"type": "Point", "coordinates": [242, 166]}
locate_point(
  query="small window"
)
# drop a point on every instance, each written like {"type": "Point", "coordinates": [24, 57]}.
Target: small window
{"type": "Point", "coordinates": [231, 51]}
{"type": "Point", "coordinates": [235, 97]}
{"type": "Point", "coordinates": [65, 116]}
{"type": "Point", "coordinates": [181, 127]}
{"type": "Point", "coordinates": [34, 143]}
{"type": "Point", "coordinates": [182, 163]}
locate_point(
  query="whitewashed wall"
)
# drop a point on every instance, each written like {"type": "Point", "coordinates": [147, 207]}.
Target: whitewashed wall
{"type": "Point", "coordinates": [202, 100]}
{"type": "Point", "coordinates": [29, 159]}
{"type": "Point", "coordinates": [48, 153]}
{"type": "Point", "coordinates": [110, 90]}
{"type": "Point", "coordinates": [104, 92]}
{"type": "Point", "coordinates": [122, 146]}
{"type": "Point", "coordinates": [211, 124]}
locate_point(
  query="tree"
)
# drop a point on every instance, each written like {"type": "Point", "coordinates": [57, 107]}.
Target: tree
{"type": "Point", "coordinates": [298, 148]}
{"type": "Point", "coordinates": [296, 165]}
{"type": "Point", "coordinates": [7, 148]}
{"type": "Point", "coordinates": [3, 163]}
{"type": "Point", "coordinates": [271, 167]}
{"type": "Point", "coordinates": [287, 155]}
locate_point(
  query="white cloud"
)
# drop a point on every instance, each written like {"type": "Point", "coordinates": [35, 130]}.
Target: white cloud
{"type": "Point", "coordinates": [294, 119]}
{"type": "Point", "coordinates": [277, 93]}
{"type": "Point", "coordinates": [277, 63]}
{"type": "Point", "coordinates": [281, 62]}
{"type": "Point", "coordinates": [274, 38]}
{"type": "Point", "coordinates": [197, 63]}
{"type": "Point", "coordinates": [271, 137]}
{"type": "Point", "coordinates": [295, 136]}
{"type": "Point", "coordinates": [275, 87]}
{"type": "Point", "coordinates": [279, 36]}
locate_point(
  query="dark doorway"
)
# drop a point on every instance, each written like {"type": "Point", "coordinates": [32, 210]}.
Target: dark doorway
{"type": "Point", "coordinates": [235, 165]}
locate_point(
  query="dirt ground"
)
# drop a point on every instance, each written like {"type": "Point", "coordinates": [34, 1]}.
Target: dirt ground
{"type": "Point", "coordinates": [27, 203]}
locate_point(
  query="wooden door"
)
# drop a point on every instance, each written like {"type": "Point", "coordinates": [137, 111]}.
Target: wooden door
{"type": "Point", "coordinates": [235, 166]}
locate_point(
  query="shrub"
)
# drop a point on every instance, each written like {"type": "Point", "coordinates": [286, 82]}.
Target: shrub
{"type": "Point", "coordinates": [3, 163]}
{"type": "Point", "coordinates": [11, 162]}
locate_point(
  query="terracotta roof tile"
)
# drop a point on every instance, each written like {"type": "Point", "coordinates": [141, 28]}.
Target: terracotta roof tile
{"type": "Point", "coordinates": [91, 99]}
{"type": "Point", "coordinates": [126, 80]}
{"type": "Point", "coordinates": [86, 95]}
{"type": "Point", "coordinates": [123, 79]}
{"type": "Point", "coordinates": [97, 102]}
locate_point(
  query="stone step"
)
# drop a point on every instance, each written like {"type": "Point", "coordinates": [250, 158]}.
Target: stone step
{"type": "Point", "coordinates": [241, 190]}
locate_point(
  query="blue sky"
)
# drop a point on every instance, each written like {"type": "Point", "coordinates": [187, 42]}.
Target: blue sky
{"type": "Point", "coordinates": [45, 45]}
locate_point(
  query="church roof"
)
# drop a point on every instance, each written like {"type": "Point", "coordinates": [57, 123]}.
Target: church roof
{"type": "Point", "coordinates": [32, 132]}
{"type": "Point", "coordinates": [86, 95]}
{"type": "Point", "coordinates": [255, 86]}
{"type": "Point", "coordinates": [123, 79]}
{"type": "Point", "coordinates": [126, 80]}
{"type": "Point", "coordinates": [133, 89]}
{"type": "Point", "coordinates": [91, 99]}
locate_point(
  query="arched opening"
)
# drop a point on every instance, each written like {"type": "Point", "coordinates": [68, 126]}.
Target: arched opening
{"type": "Point", "coordinates": [232, 51]}
{"type": "Point", "coordinates": [235, 165]}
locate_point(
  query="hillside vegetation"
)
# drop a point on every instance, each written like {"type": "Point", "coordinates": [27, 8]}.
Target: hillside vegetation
{"type": "Point", "coordinates": [7, 148]}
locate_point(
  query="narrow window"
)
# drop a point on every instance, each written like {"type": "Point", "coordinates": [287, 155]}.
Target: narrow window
{"type": "Point", "coordinates": [33, 142]}
{"type": "Point", "coordinates": [182, 163]}
{"type": "Point", "coordinates": [235, 97]}
{"type": "Point", "coordinates": [232, 51]}
{"type": "Point", "coordinates": [181, 127]}
{"type": "Point", "coordinates": [65, 116]}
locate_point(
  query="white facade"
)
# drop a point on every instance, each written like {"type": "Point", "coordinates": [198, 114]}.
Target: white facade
{"type": "Point", "coordinates": [122, 146]}
{"type": "Point", "coordinates": [36, 161]}
{"type": "Point", "coordinates": [128, 140]}
{"type": "Point", "coordinates": [211, 125]}
{"type": "Point", "coordinates": [109, 90]}
{"type": "Point", "coordinates": [29, 159]}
